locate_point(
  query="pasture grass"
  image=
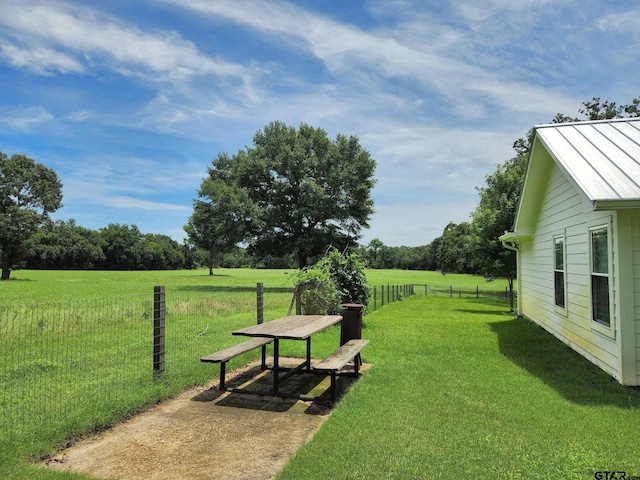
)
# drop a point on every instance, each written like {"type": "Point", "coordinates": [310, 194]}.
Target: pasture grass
{"type": "Point", "coordinates": [43, 286]}
{"type": "Point", "coordinates": [114, 381]}
{"type": "Point", "coordinates": [462, 389]}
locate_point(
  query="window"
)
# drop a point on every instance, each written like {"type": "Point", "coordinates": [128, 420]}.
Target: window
{"type": "Point", "coordinates": [600, 312]}
{"type": "Point", "coordinates": [558, 271]}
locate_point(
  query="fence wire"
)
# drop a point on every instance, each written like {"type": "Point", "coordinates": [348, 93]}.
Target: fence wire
{"type": "Point", "coordinates": [59, 361]}
{"type": "Point", "coordinates": [74, 367]}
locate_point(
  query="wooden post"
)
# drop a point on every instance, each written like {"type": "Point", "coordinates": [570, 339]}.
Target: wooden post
{"type": "Point", "coordinates": [298, 294]}
{"type": "Point", "coordinates": [159, 317]}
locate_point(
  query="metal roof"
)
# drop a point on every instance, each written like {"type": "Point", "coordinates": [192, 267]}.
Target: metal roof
{"type": "Point", "coordinates": [602, 157]}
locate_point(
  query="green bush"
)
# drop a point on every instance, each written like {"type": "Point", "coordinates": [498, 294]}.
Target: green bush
{"type": "Point", "coordinates": [347, 272]}
{"type": "Point", "coordinates": [333, 280]}
{"type": "Point", "coordinates": [318, 292]}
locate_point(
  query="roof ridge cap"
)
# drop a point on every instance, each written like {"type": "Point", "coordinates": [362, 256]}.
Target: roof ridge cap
{"type": "Point", "coordinates": [588, 122]}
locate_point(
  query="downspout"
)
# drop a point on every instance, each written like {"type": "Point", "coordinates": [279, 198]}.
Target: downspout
{"type": "Point", "coordinates": [509, 244]}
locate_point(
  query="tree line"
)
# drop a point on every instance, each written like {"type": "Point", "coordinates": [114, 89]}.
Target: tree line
{"type": "Point", "coordinates": [285, 202]}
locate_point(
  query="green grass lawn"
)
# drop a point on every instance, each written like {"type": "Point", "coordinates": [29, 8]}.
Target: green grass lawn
{"type": "Point", "coordinates": [462, 389]}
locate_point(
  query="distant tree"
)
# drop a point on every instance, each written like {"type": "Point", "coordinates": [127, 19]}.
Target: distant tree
{"type": "Point", "coordinates": [495, 215]}
{"type": "Point", "coordinates": [373, 253]}
{"type": "Point", "coordinates": [161, 252]}
{"type": "Point", "coordinates": [294, 192]}
{"type": "Point", "coordinates": [123, 247]}
{"type": "Point", "coordinates": [222, 215]}
{"type": "Point", "coordinates": [433, 261]}
{"type": "Point", "coordinates": [29, 191]}
{"type": "Point", "coordinates": [64, 245]}
{"type": "Point", "coordinates": [602, 110]}
{"type": "Point", "coordinates": [454, 251]}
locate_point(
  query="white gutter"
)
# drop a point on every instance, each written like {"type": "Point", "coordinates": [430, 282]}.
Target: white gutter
{"type": "Point", "coordinates": [511, 237]}
{"type": "Point", "coordinates": [510, 242]}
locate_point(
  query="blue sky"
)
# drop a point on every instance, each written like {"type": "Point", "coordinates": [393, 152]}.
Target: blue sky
{"type": "Point", "coordinates": [130, 101]}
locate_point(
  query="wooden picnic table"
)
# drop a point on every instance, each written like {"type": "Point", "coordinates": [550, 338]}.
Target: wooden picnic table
{"type": "Point", "coordinates": [297, 327]}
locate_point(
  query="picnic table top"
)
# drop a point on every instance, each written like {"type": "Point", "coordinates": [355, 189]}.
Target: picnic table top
{"type": "Point", "coordinates": [295, 327]}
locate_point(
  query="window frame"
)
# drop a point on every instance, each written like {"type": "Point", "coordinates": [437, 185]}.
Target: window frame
{"type": "Point", "coordinates": [563, 271]}
{"type": "Point", "coordinates": [597, 324]}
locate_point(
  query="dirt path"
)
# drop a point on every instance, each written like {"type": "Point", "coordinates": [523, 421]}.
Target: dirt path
{"type": "Point", "coordinates": [203, 434]}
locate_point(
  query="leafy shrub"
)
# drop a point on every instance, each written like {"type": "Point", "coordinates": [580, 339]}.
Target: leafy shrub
{"type": "Point", "coordinates": [347, 272]}
{"type": "Point", "coordinates": [318, 292]}
{"type": "Point", "coordinates": [333, 280]}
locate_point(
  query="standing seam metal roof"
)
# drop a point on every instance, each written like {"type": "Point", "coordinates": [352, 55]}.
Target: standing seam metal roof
{"type": "Point", "coordinates": [603, 157]}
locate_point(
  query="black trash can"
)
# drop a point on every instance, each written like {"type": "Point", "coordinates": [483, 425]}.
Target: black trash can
{"type": "Point", "coordinates": [351, 325]}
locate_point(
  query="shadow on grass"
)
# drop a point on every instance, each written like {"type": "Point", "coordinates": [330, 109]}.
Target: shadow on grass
{"type": "Point", "coordinates": [260, 382]}
{"type": "Point", "coordinates": [19, 280]}
{"type": "Point", "coordinates": [557, 365]}
{"type": "Point", "coordinates": [499, 306]}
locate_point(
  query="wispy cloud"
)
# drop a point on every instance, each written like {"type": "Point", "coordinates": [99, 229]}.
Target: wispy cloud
{"type": "Point", "coordinates": [23, 118]}
{"type": "Point", "coordinates": [79, 37]}
{"type": "Point", "coordinates": [129, 101]}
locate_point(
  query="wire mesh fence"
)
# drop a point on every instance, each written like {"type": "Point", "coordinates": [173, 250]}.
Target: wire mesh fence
{"type": "Point", "coordinates": [455, 291]}
{"type": "Point", "coordinates": [74, 367]}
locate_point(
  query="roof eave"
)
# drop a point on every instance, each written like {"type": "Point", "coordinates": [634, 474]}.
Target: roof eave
{"type": "Point", "coordinates": [616, 204]}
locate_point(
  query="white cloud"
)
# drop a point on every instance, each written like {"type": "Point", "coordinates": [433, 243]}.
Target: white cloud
{"type": "Point", "coordinates": [24, 118]}
{"type": "Point", "coordinates": [42, 60]}
{"type": "Point", "coordinates": [96, 39]}
{"type": "Point", "coordinates": [349, 51]}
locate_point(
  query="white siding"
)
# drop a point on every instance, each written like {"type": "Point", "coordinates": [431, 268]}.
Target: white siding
{"type": "Point", "coordinates": [636, 288]}
{"type": "Point", "coordinates": [562, 212]}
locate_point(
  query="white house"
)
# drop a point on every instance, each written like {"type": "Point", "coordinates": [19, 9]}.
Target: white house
{"type": "Point", "coordinates": [577, 237]}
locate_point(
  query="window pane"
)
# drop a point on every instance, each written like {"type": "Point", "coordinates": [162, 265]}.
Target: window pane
{"type": "Point", "coordinates": [600, 299]}
{"type": "Point", "coordinates": [599, 251]}
{"type": "Point", "coordinates": [559, 287]}
{"type": "Point", "coordinates": [559, 254]}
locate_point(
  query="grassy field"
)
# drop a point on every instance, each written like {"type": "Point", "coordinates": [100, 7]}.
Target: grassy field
{"type": "Point", "coordinates": [103, 374]}
{"type": "Point", "coordinates": [38, 286]}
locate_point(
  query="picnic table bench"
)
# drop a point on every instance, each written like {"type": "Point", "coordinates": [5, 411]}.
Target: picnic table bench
{"type": "Point", "coordinates": [296, 327]}
{"type": "Point", "coordinates": [223, 356]}
{"type": "Point", "coordinates": [338, 359]}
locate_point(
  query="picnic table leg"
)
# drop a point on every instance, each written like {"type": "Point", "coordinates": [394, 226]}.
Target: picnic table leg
{"type": "Point", "coordinates": [264, 358]}
{"type": "Point", "coordinates": [333, 387]}
{"type": "Point", "coordinates": [276, 364]}
{"type": "Point", "coordinates": [221, 387]}
{"type": "Point", "coordinates": [309, 354]}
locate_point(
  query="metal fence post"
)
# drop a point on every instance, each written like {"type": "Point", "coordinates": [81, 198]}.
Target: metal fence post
{"type": "Point", "coordinates": [260, 302]}
{"type": "Point", "coordinates": [375, 298]}
{"type": "Point", "coordinates": [159, 317]}
{"type": "Point", "coordinates": [260, 319]}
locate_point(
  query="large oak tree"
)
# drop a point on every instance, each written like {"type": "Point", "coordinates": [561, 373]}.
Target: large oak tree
{"type": "Point", "coordinates": [295, 191]}
{"type": "Point", "coordinates": [29, 191]}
